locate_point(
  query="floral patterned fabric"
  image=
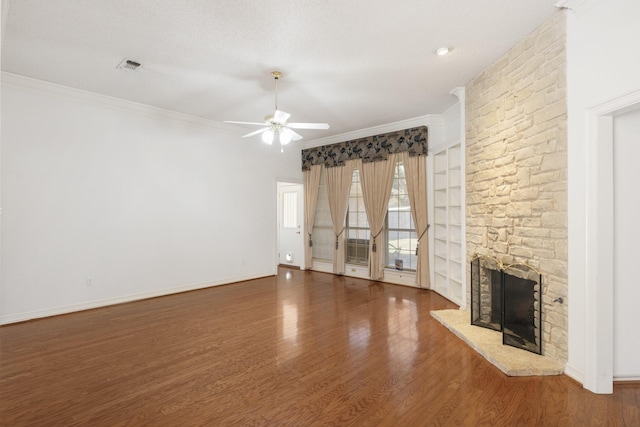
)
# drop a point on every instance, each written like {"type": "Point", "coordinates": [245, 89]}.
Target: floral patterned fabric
{"type": "Point", "coordinates": [369, 149]}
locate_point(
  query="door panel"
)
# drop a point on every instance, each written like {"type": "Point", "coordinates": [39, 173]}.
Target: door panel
{"type": "Point", "coordinates": [290, 227]}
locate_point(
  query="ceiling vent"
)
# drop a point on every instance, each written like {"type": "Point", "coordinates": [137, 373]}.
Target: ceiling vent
{"type": "Point", "coordinates": [128, 65]}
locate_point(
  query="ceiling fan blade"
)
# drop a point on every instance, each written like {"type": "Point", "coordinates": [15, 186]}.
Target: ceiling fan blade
{"type": "Point", "coordinates": [308, 125]}
{"type": "Point", "coordinates": [255, 132]}
{"type": "Point", "coordinates": [295, 136]}
{"type": "Point", "coordinates": [281, 117]}
{"type": "Point", "coordinates": [245, 123]}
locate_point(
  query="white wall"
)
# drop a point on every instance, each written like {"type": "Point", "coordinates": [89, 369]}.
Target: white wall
{"type": "Point", "coordinates": [626, 295]}
{"type": "Point", "coordinates": [140, 201]}
{"type": "Point", "coordinates": [602, 63]}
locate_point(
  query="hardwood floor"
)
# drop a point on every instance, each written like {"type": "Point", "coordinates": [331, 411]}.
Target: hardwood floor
{"type": "Point", "coordinates": [298, 349]}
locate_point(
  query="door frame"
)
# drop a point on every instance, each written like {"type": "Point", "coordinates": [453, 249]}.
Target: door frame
{"type": "Point", "coordinates": [300, 185]}
{"type": "Point", "coordinates": [599, 232]}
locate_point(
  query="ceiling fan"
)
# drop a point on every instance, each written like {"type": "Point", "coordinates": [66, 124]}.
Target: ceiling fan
{"type": "Point", "coordinates": [276, 123]}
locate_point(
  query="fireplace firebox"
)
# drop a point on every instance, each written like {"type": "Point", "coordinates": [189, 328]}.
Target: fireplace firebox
{"type": "Point", "coordinates": [508, 299]}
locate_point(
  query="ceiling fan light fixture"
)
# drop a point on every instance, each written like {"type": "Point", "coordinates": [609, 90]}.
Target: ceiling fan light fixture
{"type": "Point", "coordinates": [278, 123]}
{"type": "Point", "coordinates": [267, 136]}
{"type": "Point", "coordinates": [285, 136]}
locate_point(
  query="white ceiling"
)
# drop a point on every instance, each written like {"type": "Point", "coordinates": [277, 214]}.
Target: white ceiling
{"type": "Point", "coordinates": [351, 63]}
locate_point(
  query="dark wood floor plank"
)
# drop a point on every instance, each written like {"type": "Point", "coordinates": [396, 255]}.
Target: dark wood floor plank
{"type": "Point", "coordinates": [301, 349]}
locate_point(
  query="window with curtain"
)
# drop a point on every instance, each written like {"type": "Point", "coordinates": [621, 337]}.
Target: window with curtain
{"type": "Point", "coordinates": [322, 235]}
{"type": "Point", "coordinates": [401, 231]}
{"type": "Point", "coordinates": [358, 232]}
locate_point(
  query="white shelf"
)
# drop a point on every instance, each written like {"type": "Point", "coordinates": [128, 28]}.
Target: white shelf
{"type": "Point", "coordinates": [455, 180]}
{"type": "Point", "coordinates": [454, 197]}
{"type": "Point", "coordinates": [448, 212]}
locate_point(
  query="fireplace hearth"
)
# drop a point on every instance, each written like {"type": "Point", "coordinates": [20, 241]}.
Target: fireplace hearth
{"type": "Point", "coordinates": [508, 299]}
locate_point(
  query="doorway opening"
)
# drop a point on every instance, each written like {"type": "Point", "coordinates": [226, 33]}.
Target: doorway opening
{"type": "Point", "coordinates": [290, 214]}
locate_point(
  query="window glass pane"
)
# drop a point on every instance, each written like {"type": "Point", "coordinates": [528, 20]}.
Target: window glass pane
{"type": "Point", "coordinates": [400, 228]}
{"type": "Point", "coordinates": [353, 204]}
{"type": "Point", "coordinates": [290, 209]}
{"type": "Point", "coordinates": [404, 219]}
{"type": "Point", "coordinates": [357, 244]}
{"type": "Point", "coordinates": [362, 219]}
{"type": "Point", "coordinates": [392, 218]}
{"type": "Point", "coordinates": [352, 221]}
{"type": "Point", "coordinates": [393, 239]}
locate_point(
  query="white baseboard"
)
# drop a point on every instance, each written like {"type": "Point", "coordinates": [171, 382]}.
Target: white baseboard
{"type": "Point", "coordinates": [625, 378]}
{"type": "Point", "coordinates": [55, 311]}
{"type": "Point", "coordinates": [574, 373]}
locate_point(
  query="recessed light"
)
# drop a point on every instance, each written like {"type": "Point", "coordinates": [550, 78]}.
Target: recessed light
{"type": "Point", "coordinates": [443, 50]}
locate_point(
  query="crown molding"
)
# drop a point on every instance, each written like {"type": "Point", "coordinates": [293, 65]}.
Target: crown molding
{"type": "Point", "coordinates": [580, 7]}
{"type": "Point", "coordinates": [458, 92]}
{"type": "Point", "coordinates": [67, 92]}
{"type": "Point", "coordinates": [426, 120]}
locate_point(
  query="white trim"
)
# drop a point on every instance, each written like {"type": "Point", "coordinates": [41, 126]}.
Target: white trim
{"type": "Point", "coordinates": [460, 93]}
{"type": "Point", "coordinates": [394, 277]}
{"type": "Point", "coordinates": [622, 379]}
{"type": "Point", "coordinates": [375, 130]}
{"type": "Point", "coordinates": [446, 144]}
{"type": "Point", "coordinates": [79, 95]}
{"type": "Point", "coordinates": [574, 373]}
{"type": "Point", "coordinates": [598, 257]}
{"type": "Point", "coordinates": [599, 238]}
{"type": "Point", "coordinates": [55, 311]}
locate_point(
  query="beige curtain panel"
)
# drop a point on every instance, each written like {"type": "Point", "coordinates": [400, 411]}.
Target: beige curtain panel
{"type": "Point", "coordinates": [338, 185]}
{"type": "Point", "coordinates": [377, 180]}
{"type": "Point", "coordinates": [311, 186]}
{"type": "Point", "coordinates": [415, 169]}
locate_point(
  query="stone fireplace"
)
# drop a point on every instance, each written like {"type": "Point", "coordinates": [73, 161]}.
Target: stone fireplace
{"type": "Point", "coordinates": [516, 178]}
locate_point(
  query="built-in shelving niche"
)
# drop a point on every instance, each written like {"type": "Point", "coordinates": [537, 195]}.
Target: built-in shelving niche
{"type": "Point", "coordinates": [447, 224]}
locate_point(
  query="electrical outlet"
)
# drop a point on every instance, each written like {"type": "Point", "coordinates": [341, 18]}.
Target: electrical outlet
{"type": "Point", "coordinates": [89, 281]}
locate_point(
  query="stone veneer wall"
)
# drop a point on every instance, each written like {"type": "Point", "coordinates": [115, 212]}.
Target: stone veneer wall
{"type": "Point", "coordinates": [516, 168]}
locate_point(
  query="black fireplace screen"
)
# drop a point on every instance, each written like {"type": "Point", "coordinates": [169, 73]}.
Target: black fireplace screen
{"type": "Point", "coordinates": [508, 299]}
{"type": "Point", "coordinates": [486, 293]}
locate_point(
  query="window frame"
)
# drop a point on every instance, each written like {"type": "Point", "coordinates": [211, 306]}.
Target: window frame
{"type": "Point", "coordinates": [413, 235]}
{"type": "Point", "coordinates": [358, 245]}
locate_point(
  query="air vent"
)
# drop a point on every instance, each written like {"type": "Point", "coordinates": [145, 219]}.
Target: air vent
{"type": "Point", "coordinates": [128, 65]}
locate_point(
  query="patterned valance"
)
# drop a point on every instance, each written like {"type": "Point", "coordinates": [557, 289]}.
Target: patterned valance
{"type": "Point", "coordinates": [369, 149]}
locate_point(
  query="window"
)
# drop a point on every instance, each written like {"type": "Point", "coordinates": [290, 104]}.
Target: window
{"type": "Point", "coordinates": [357, 237]}
{"type": "Point", "coordinates": [401, 231]}
{"type": "Point", "coordinates": [322, 235]}
{"type": "Point", "coordinates": [401, 235]}
{"type": "Point", "coordinates": [290, 209]}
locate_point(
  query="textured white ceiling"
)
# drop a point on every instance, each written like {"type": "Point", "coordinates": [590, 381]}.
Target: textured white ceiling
{"type": "Point", "coordinates": [351, 63]}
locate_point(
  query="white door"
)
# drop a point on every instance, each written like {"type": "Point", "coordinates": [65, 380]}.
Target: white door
{"type": "Point", "coordinates": [290, 227]}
